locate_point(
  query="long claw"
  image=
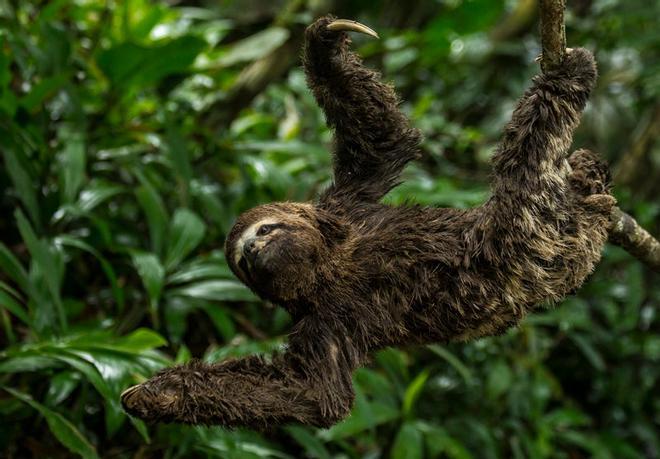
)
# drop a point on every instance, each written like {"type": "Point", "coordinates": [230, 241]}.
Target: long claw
{"type": "Point", "coordinates": [352, 26]}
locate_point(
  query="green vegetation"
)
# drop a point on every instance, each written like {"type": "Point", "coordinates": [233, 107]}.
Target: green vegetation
{"type": "Point", "coordinates": [131, 136]}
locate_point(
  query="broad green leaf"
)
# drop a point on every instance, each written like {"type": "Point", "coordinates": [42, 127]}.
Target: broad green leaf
{"type": "Point", "coordinates": [12, 291]}
{"type": "Point", "coordinates": [13, 268]}
{"type": "Point", "coordinates": [499, 378]}
{"type": "Point", "coordinates": [88, 368]}
{"type": "Point", "coordinates": [154, 210]}
{"type": "Point", "coordinates": [439, 442]}
{"type": "Point", "coordinates": [186, 232]}
{"type": "Point", "coordinates": [222, 321]}
{"type": "Point", "coordinates": [141, 427]}
{"type": "Point", "coordinates": [105, 265]}
{"type": "Point", "coordinates": [152, 274]}
{"type": "Point", "coordinates": [216, 290]}
{"type": "Point", "coordinates": [198, 270]}
{"type": "Point", "coordinates": [15, 162]}
{"type": "Point", "coordinates": [62, 428]}
{"type": "Point", "coordinates": [45, 89]}
{"type": "Point", "coordinates": [177, 152]}
{"type": "Point", "coordinates": [365, 415]}
{"type": "Point", "coordinates": [408, 443]}
{"type": "Point", "coordinates": [462, 370]}
{"type": "Point", "coordinates": [48, 262]}
{"type": "Point", "coordinates": [592, 444]}
{"type": "Point", "coordinates": [11, 305]}
{"type": "Point", "coordinates": [413, 392]}
{"type": "Point", "coordinates": [72, 162]}
{"type": "Point", "coordinates": [138, 341]}
{"type": "Point", "coordinates": [254, 47]}
{"type": "Point", "coordinates": [61, 386]}
{"type": "Point", "coordinates": [97, 192]}
{"type": "Point", "coordinates": [128, 64]}
{"type": "Point", "coordinates": [26, 362]}
{"type": "Point", "coordinates": [589, 351]}
{"type": "Point", "coordinates": [311, 443]}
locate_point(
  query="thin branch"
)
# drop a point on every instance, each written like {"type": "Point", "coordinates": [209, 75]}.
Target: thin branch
{"type": "Point", "coordinates": [626, 232]}
{"type": "Point", "coordinates": [624, 229]}
{"type": "Point", "coordinates": [553, 33]}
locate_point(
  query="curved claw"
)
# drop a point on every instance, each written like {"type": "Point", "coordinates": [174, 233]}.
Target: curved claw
{"type": "Point", "coordinates": [351, 26]}
{"type": "Point", "coordinates": [142, 402]}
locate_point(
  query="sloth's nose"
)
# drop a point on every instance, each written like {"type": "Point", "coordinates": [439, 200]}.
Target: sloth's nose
{"type": "Point", "coordinates": [250, 250]}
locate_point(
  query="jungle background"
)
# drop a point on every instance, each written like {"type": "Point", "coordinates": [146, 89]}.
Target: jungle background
{"type": "Point", "coordinates": [132, 133]}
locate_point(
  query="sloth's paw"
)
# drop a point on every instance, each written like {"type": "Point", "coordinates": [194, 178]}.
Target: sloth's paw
{"type": "Point", "coordinates": [153, 400]}
{"type": "Point", "coordinates": [328, 30]}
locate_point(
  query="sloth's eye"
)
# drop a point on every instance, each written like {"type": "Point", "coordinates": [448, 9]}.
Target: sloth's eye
{"type": "Point", "coordinates": [265, 229]}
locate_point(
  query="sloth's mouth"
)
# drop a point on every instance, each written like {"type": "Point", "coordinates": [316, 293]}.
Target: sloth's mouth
{"type": "Point", "coordinates": [244, 265]}
{"type": "Point", "coordinates": [249, 257]}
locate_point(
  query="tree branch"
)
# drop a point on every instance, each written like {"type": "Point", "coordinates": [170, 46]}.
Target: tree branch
{"type": "Point", "coordinates": [624, 229]}
{"type": "Point", "coordinates": [553, 33]}
{"type": "Point", "coordinates": [626, 232]}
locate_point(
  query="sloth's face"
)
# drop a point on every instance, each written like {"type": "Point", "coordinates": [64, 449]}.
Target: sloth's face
{"type": "Point", "coordinates": [275, 249]}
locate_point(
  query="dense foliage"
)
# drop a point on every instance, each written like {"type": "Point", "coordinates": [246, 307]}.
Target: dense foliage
{"type": "Point", "coordinates": [133, 132]}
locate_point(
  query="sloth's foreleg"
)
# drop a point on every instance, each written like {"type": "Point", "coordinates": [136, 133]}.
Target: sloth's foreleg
{"type": "Point", "coordinates": [310, 384]}
{"type": "Point", "coordinates": [373, 139]}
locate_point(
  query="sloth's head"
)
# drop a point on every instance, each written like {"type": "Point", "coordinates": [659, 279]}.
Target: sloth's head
{"type": "Point", "coordinates": [276, 249]}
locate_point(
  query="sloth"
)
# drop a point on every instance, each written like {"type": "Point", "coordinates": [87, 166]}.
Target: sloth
{"type": "Point", "coordinates": [358, 275]}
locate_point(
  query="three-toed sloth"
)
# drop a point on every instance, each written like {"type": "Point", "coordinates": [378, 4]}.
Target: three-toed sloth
{"type": "Point", "coordinates": [357, 275]}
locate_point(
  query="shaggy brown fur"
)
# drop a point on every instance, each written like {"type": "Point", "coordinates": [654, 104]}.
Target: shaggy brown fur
{"type": "Point", "coordinates": [358, 275]}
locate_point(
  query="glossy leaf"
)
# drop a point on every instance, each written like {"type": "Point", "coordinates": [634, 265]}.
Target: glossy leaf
{"type": "Point", "coordinates": [186, 232]}
{"type": "Point", "coordinates": [63, 430]}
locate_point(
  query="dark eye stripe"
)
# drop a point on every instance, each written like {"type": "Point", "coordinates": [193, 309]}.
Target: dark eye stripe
{"type": "Point", "coordinates": [269, 227]}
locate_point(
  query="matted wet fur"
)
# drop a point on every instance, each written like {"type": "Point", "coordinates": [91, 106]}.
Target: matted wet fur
{"type": "Point", "coordinates": [357, 275]}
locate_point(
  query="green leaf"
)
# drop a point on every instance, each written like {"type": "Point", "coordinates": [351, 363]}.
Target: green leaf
{"type": "Point", "coordinates": [15, 161]}
{"type": "Point", "coordinates": [255, 46]}
{"type": "Point", "coordinates": [61, 386]}
{"type": "Point", "coordinates": [138, 341]}
{"type": "Point", "coordinates": [413, 392]}
{"type": "Point", "coordinates": [129, 64]}
{"type": "Point", "coordinates": [95, 193]}
{"type": "Point", "coordinates": [13, 268]}
{"type": "Point", "coordinates": [26, 362]}
{"type": "Point", "coordinates": [152, 274]}
{"type": "Point", "coordinates": [499, 379]}
{"type": "Point", "coordinates": [186, 232]}
{"type": "Point", "coordinates": [222, 321]}
{"type": "Point", "coordinates": [589, 351]}
{"type": "Point", "coordinates": [71, 164]}
{"type": "Point", "coordinates": [86, 366]}
{"type": "Point", "coordinates": [177, 152]}
{"type": "Point", "coordinates": [45, 89]}
{"type": "Point", "coordinates": [408, 443]}
{"type": "Point", "coordinates": [105, 265]}
{"type": "Point", "coordinates": [313, 446]}
{"type": "Point", "coordinates": [154, 209]}
{"type": "Point", "coordinates": [48, 262]}
{"type": "Point", "coordinates": [438, 441]}
{"type": "Point", "coordinates": [216, 290]}
{"type": "Point", "coordinates": [11, 305]}
{"type": "Point", "coordinates": [197, 270]}
{"type": "Point", "coordinates": [365, 415]}
{"type": "Point", "coordinates": [462, 370]}
{"type": "Point", "coordinates": [61, 428]}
